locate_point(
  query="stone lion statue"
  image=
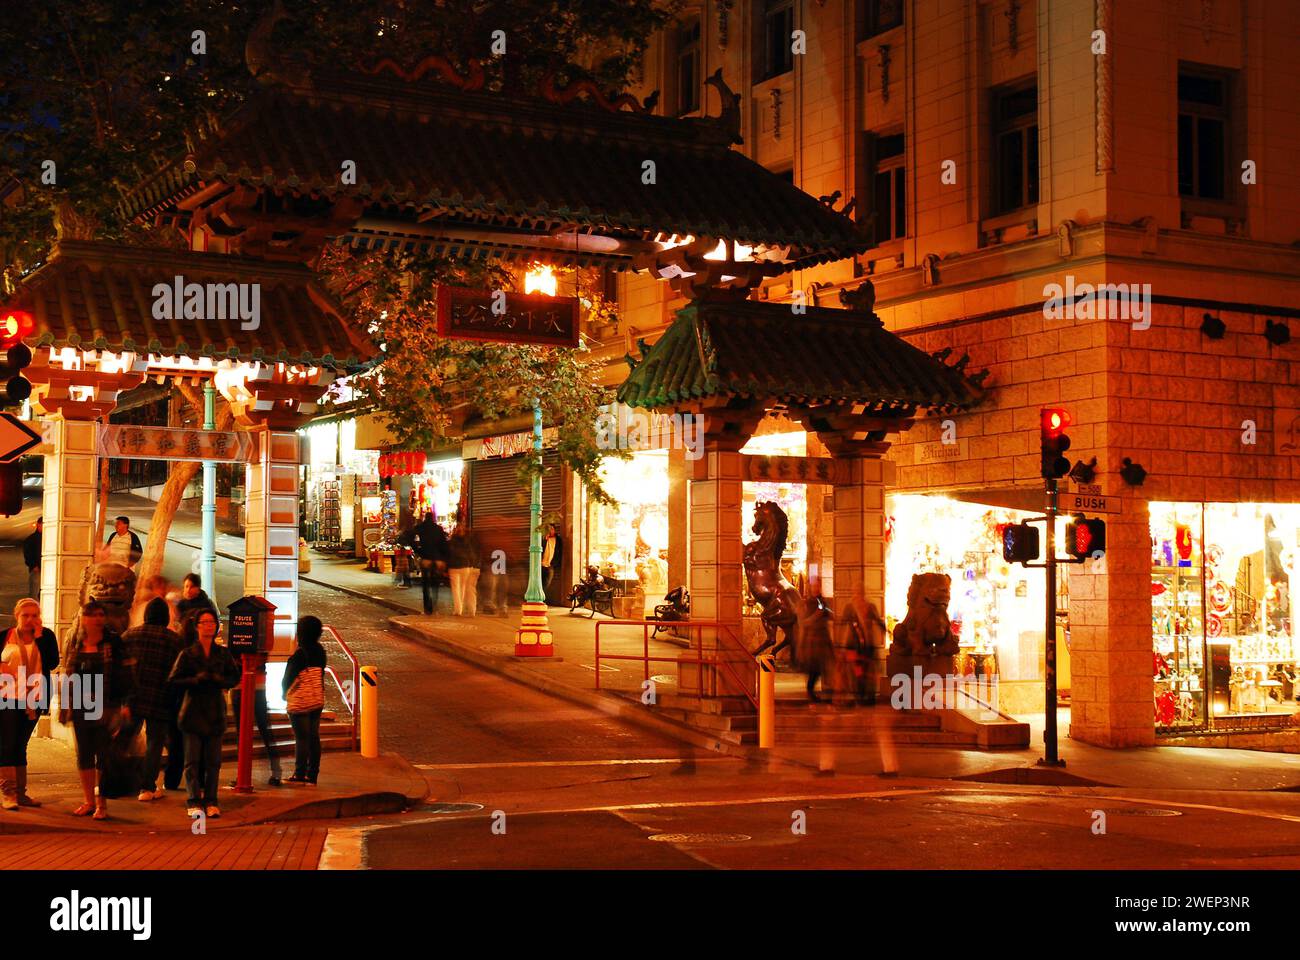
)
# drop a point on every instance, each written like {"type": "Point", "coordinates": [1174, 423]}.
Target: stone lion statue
{"type": "Point", "coordinates": [113, 585]}
{"type": "Point", "coordinates": [926, 629]}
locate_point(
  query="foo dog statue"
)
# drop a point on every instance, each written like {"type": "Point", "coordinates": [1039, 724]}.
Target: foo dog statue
{"type": "Point", "coordinates": [113, 585]}
{"type": "Point", "coordinates": [926, 630]}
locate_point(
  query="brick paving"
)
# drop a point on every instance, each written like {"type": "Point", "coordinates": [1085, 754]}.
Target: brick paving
{"type": "Point", "coordinates": [284, 847]}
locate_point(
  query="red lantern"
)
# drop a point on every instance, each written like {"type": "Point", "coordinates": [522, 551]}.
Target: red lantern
{"type": "Point", "coordinates": [383, 465]}
{"type": "Point", "coordinates": [420, 460]}
{"type": "Point", "coordinates": [1184, 541]}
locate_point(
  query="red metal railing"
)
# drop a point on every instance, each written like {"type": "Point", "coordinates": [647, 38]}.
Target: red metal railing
{"type": "Point", "coordinates": [356, 686]}
{"type": "Point", "coordinates": [734, 669]}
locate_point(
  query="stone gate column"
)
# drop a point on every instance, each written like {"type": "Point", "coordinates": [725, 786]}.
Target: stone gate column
{"type": "Point", "coordinates": [71, 498]}
{"type": "Point", "coordinates": [271, 531]}
{"type": "Point", "coordinates": [859, 548]}
{"type": "Point", "coordinates": [717, 576]}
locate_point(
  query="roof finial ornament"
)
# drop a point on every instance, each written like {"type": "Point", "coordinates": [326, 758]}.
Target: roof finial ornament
{"type": "Point", "coordinates": [862, 299]}
{"type": "Point", "coordinates": [730, 116]}
{"type": "Point", "coordinates": [70, 225]}
{"type": "Point", "coordinates": [264, 62]}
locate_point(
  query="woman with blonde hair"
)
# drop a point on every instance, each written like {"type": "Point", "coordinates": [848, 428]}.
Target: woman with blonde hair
{"type": "Point", "coordinates": [30, 651]}
{"type": "Point", "coordinates": [98, 682]}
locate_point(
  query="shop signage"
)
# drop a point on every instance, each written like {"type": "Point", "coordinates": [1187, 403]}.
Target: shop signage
{"type": "Point", "coordinates": [774, 469]}
{"type": "Point", "coordinates": [1087, 503]}
{"type": "Point", "coordinates": [504, 317]}
{"type": "Point", "coordinates": [508, 445]}
{"type": "Point", "coordinates": [401, 464]}
{"type": "Point", "coordinates": [943, 452]}
{"type": "Point", "coordinates": [128, 441]}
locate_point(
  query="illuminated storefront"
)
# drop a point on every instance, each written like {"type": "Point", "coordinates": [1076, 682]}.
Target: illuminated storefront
{"type": "Point", "coordinates": [1223, 634]}
{"type": "Point", "coordinates": [438, 488]}
{"type": "Point", "coordinates": [996, 608]}
{"type": "Point", "coordinates": [790, 497]}
{"type": "Point", "coordinates": [628, 541]}
{"type": "Point", "coordinates": [342, 484]}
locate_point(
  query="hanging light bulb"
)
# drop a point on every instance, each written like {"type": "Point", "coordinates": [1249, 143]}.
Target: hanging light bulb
{"type": "Point", "coordinates": [541, 279]}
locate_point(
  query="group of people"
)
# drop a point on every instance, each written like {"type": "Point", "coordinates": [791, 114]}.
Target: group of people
{"type": "Point", "coordinates": [168, 675]}
{"type": "Point", "coordinates": [846, 656]}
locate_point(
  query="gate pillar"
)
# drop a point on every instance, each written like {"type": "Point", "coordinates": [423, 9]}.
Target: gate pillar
{"type": "Point", "coordinates": [70, 500]}
{"type": "Point", "coordinates": [271, 531]}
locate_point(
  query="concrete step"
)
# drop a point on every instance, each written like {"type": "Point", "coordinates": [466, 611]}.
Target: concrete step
{"type": "Point", "coordinates": [717, 705]}
{"type": "Point", "coordinates": [852, 719]}
{"type": "Point", "coordinates": [284, 748]}
{"type": "Point", "coordinates": [812, 738]}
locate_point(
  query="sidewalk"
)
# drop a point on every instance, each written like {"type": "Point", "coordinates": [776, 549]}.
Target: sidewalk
{"type": "Point", "coordinates": [488, 642]}
{"type": "Point", "coordinates": [350, 786]}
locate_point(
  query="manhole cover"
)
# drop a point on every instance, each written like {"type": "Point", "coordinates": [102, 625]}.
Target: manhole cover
{"type": "Point", "coordinates": [700, 837]}
{"type": "Point", "coordinates": [663, 678]}
{"type": "Point", "coordinates": [1140, 812]}
{"type": "Point", "coordinates": [452, 807]}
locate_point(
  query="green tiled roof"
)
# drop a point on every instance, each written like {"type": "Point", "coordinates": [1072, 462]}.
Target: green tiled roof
{"type": "Point", "coordinates": [761, 350]}
{"type": "Point", "coordinates": [430, 156]}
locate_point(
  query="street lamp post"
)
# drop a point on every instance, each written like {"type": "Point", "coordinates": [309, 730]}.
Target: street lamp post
{"type": "Point", "coordinates": [208, 560]}
{"type": "Point", "coordinates": [533, 638]}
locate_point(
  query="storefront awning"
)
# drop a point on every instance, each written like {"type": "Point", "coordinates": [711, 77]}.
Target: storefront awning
{"type": "Point", "coordinates": [766, 351]}
{"type": "Point", "coordinates": [108, 297]}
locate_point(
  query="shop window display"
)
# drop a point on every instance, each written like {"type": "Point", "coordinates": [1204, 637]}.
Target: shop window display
{"type": "Point", "coordinates": [628, 542]}
{"type": "Point", "coordinates": [1222, 627]}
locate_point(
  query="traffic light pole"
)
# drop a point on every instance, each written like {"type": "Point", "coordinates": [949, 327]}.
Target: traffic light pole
{"type": "Point", "coordinates": [1050, 758]}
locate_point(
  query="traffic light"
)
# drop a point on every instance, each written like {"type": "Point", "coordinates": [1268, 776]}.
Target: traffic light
{"type": "Point", "coordinates": [1085, 538]}
{"type": "Point", "coordinates": [1020, 543]}
{"type": "Point", "coordinates": [15, 326]}
{"type": "Point", "coordinates": [1054, 442]}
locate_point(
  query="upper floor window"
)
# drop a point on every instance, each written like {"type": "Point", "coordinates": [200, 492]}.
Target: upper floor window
{"type": "Point", "coordinates": [1202, 135]}
{"type": "Point", "coordinates": [778, 38]}
{"type": "Point", "coordinates": [1015, 149]}
{"type": "Point", "coordinates": [688, 66]}
{"type": "Point", "coordinates": [889, 188]}
{"type": "Point", "coordinates": [881, 15]}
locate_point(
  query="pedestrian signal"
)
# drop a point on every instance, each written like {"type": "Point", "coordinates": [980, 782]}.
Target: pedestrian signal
{"type": "Point", "coordinates": [1020, 543]}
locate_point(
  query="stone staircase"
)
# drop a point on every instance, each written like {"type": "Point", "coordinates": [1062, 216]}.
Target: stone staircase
{"type": "Point", "coordinates": [335, 734]}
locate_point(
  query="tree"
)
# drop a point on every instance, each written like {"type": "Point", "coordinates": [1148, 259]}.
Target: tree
{"type": "Point", "coordinates": [95, 94]}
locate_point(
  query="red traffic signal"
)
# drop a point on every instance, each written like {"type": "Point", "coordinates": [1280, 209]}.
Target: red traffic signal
{"type": "Point", "coordinates": [1054, 442]}
{"type": "Point", "coordinates": [1085, 538]}
{"type": "Point", "coordinates": [15, 326]}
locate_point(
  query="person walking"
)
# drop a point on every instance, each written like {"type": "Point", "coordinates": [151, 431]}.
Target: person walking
{"type": "Point", "coordinates": [32, 558]}
{"type": "Point", "coordinates": [154, 649]}
{"type": "Point", "coordinates": [194, 598]}
{"type": "Point", "coordinates": [465, 553]}
{"type": "Point", "coordinates": [552, 558]}
{"type": "Point", "coordinates": [304, 695]}
{"type": "Point", "coordinates": [496, 576]}
{"type": "Point", "coordinates": [29, 651]}
{"type": "Point", "coordinates": [98, 685]}
{"type": "Point", "coordinates": [867, 639]}
{"type": "Point", "coordinates": [429, 541]}
{"type": "Point", "coordinates": [123, 546]}
{"type": "Point", "coordinates": [204, 671]}
{"type": "Point", "coordinates": [816, 650]}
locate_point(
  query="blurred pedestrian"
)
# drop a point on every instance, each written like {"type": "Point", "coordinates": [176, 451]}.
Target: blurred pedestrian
{"type": "Point", "coordinates": [32, 558]}
{"type": "Point", "coordinates": [866, 629]}
{"type": "Point", "coordinates": [814, 646]}
{"type": "Point", "coordinates": [95, 697]}
{"type": "Point", "coordinates": [262, 717]}
{"type": "Point", "coordinates": [465, 553]}
{"type": "Point", "coordinates": [30, 653]}
{"type": "Point", "coordinates": [552, 558]}
{"type": "Point", "coordinates": [123, 546]}
{"type": "Point", "coordinates": [429, 541]}
{"type": "Point", "coordinates": [154, 649]}
{"type": "Point", "coordinates": [204, 671]}
{"type": "Point", "coordinates": [194, 598]}
{"type": "Point", "coordinates": [304, 696]}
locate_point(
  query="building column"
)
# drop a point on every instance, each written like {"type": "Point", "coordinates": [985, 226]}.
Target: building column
{"type": "Point", "coordinates": [678, 512]}
{"type": "Point", "coordinates": [858, 553]}
{"type": "Point", "coordinates": [717, 574]}
{"type": "Point", "coordinates": [271, 531]}
{"type": "Point", "coordinates": [1111, 688]}
{"type": "Point", "coordinates": [71, 499]}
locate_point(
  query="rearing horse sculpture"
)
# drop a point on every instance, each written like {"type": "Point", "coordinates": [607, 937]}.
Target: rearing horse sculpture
{"type": "Point", "coordinates": [777, 596]}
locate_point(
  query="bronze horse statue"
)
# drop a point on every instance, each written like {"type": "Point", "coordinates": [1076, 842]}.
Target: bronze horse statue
{"type": "Point", "coordinates": [777, 595]}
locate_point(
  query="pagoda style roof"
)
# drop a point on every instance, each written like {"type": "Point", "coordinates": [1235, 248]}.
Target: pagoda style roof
{"type": "Point", "coordinates": [453, 170]}
{"type": "Point", "coordinates": [766, 352]}
{"type": "Point", "coordinates": [101, 296]}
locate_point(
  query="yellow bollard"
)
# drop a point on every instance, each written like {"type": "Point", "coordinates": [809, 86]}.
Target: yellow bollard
{"type": "Point", "coordinates": [369, 711]}
{"type": "Point", "coordinates": [766, 700]}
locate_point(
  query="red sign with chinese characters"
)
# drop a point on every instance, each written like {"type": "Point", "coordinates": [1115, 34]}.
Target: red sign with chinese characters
{"type": "Point", "coordinates": [128, 441]}
{"type": "Point", "coordinates": [503, 317]}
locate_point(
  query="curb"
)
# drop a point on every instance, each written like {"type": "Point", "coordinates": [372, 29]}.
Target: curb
{"type": "Point", "coordinates": [602, 702]}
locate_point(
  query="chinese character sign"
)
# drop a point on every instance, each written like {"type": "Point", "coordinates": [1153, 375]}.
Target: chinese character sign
{"type": "Point", "coordinates": [173, 443]}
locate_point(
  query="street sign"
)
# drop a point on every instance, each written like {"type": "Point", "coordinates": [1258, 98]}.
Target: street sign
{"type": "Point", "coordinates": [128, 441]}
{"type": "Point", "coordinates": [16, 438]}
{"type": "Point", "coordinates": [1088, 503]}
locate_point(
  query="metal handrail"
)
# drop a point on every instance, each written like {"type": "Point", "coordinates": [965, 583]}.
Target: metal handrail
{"type": "Point", "coordinates": [986, 706]}
{"type": "Point", "coordinates": [356, 686]}
{"type": "Point", "coordinates": [748, 689]}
